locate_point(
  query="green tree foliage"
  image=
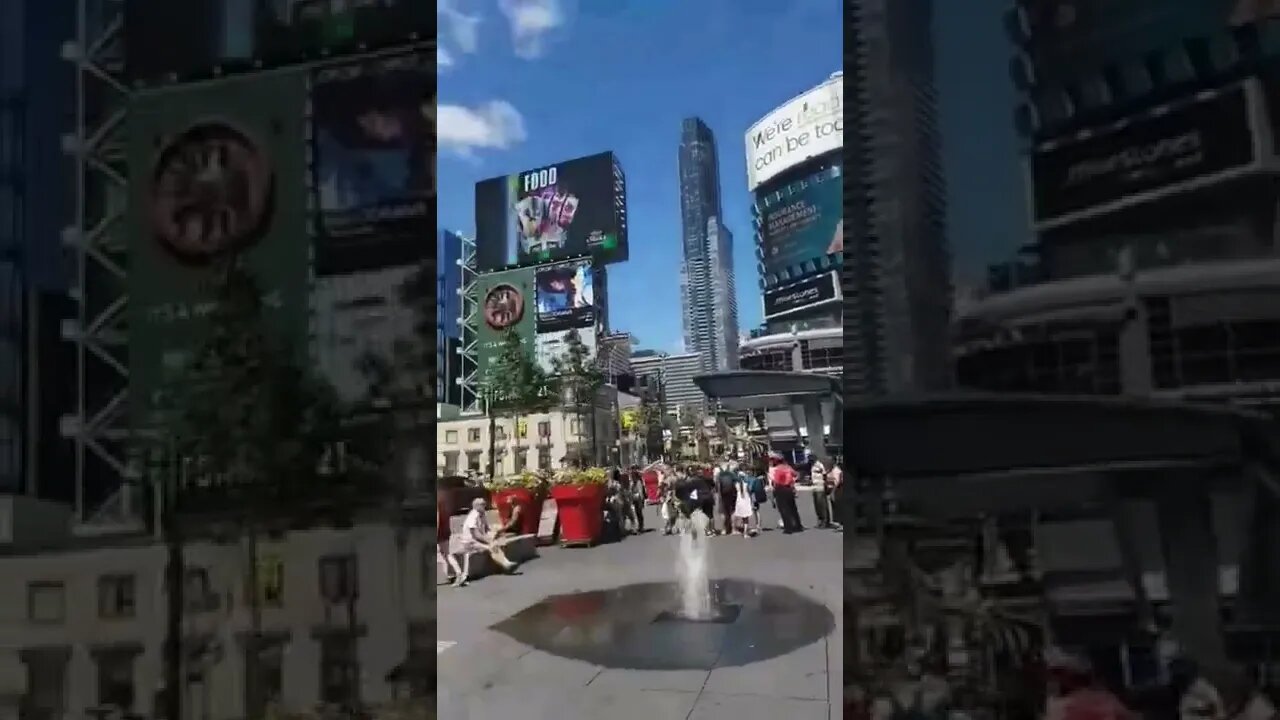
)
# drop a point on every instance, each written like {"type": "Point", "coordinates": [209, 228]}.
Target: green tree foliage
{"type": "Point", "coordinates": [514, 384]}
{"type": "Point", "coordinates": [579, 382]}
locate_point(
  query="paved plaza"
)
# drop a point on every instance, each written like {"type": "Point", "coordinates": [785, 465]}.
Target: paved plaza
{"type": "Point", "coordinates": [484, 674]}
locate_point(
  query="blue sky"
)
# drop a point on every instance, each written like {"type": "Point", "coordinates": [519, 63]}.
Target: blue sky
{"type": "Point", "coordinates": [525, 83]}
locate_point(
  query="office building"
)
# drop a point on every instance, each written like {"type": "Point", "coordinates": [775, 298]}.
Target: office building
{"type": "Point", "coordinates": [706, 276]}
{"type": "Point", "coordinates": [673, 376]}
{"type": "Point", "coordinates": [896, 276]}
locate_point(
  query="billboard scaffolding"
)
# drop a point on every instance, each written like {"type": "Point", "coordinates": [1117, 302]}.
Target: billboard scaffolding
{"type": "Point", "coordinates": [97, 425]}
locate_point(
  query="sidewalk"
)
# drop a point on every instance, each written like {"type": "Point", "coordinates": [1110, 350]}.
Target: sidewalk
{"type": "Point", "coordinates": [485, 674]}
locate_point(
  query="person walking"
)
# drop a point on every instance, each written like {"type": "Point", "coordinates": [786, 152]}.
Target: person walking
{"type": "Point", "coordinates": [759, 493]}
{"type": "Point", "coordinates": [707, 497]}
{"type": "Point", "coordinates": [782, 478]}
{"type": "Point", "coordinates": [835, 477]}
{"type": "Point", "coordinates": [727, 487]}
{"type": "Point", "coordinates": [821, 494]}
{"type": "Point", "coordinates": [637, 497]}
{"type": "Point", "coordinates": [743, 506]}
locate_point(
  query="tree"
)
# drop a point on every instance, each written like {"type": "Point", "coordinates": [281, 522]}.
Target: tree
{"type": "Point", "coordinates": [251, 431]}
{"type": "Point", "coordinates": [514, 384]}
{"type": "Point", "coordinates": [579, 381]}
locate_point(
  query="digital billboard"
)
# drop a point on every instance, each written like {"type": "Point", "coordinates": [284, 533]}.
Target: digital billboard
{"type": "Point", "coordinates": [807, 126]}
{"type": "Point", "coordinates": [215, 171]}
{"type": "Point", "coordinates": [551, 347]}
{"type": "Point", "coordinates": [566, 296]}
{"type": "Point", "coordinates": [1149, 156]}
{"type": "Point", "coordinates": [171, 41]}
{"type": "Point", "coordinates": [1067, 40]}
{"type": "Point", "coordinates": [573, 208]}
{"type": "Point", "coordinates": [800, 226]}
{"type": "Point", "coordinates": [802, 295]}
{"type": "Point", "coordinates": [506, 300]}
{"type": "Point", "coordinates": [373, 166]}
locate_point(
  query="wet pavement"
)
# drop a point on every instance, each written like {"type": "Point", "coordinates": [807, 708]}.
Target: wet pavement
{"type": "Point", "coordinates": [639, 626]}
{"type": "Point", "coordinates": [588, 633]}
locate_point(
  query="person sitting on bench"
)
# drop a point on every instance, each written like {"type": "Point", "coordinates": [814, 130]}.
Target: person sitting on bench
{"type": "Point", "coordinates": [477, 538]}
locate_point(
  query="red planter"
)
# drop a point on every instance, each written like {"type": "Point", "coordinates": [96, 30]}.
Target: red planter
{"type": "Point", "coordinates": [651, 486]}
{"type": "Point", "coordinates": [530, 508]}
{"type": "Point", "coordinates": [581, 512]}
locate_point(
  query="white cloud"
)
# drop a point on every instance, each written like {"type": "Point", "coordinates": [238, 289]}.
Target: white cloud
{"type": "Point", "coordinates": [495, 125]}
{"type": "Point", "coordinates": [463, 28]}
{"type": "Point", "coordinates": [443, 59]}
{"type": "Point", "coordinates": [531, 22]}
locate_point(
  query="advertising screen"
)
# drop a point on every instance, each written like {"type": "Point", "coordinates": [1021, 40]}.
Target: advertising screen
{"type": "Point", "coordinates": [804, 128]}
{"type": "Point", "coordinates": [1150, 155]}
{"type": "Point", "coordinates": [551, 347]}
{"type": "Point", "coordinates": [1071, 39]}
{"type": "Point", "coordinates": [573, 208]}
{"type": "Point", "coordinates": [168, 40]}
{"type": "Point", "coordinates": [801, 295]}
{"type": "Point", "coordinates": [506, 300]}
{"type": "Point", "coordinates": [801, 227]}
{"type": "Point", "coordinates": [373, 162]}
{"type": "Point", "coordinates": [565, 296]}
{"type": "Point", "coordinates": [215, 171]}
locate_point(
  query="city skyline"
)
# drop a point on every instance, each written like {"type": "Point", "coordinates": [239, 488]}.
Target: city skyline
{"type": "Point", "coordinates": [497, 117]}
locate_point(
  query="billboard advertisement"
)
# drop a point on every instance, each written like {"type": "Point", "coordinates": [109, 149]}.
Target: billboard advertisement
{"type": "Point", "coordinates": [804, 128]}
{"type": "Point", "coordinates": [373, 167]}
{"type": "Point", "coordinates": [1150, 156]}
{"type": "Point", "coordinates": [566, 296]}
{"type": "Point", "coordinates": [506, 300]}
{"type": "Point", "coordinates": [215, 175]}
{"type": "Point", "coordinates": [168, 41]}
{"type": "Point", "coordinates": [570, 209]}
{"type": "Point", "coordinates": [1066, 40]}
{"type": "Point", "coordinates": [551, 346]}
{"type": "Point", "coordinates": [801, 295]}
{"type": "Point", "coordinates": [801, 226]}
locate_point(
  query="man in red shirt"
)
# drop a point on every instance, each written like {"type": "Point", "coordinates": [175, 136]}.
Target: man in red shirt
{"type": "Point", "coordinates": [782, 478]}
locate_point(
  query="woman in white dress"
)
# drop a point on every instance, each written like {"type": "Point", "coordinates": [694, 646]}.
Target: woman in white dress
{"type": "Point", "coordinates": [743, 509]}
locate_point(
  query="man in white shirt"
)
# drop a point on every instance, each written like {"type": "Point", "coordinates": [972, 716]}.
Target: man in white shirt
{"type": "Point", "coordinates": [821, 493]}
{"type": "Point", "coordinates": [477, 538]}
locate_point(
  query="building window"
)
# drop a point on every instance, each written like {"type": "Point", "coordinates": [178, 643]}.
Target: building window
{"type": "Point", "coordinates": [544, 458]}
{"type": "Point", "coordinates": [473, 460]}
{"type": "Point", "coordinates": [197, 591]}
{"type": "Point", "coordinates": [451, 462]}
{"type": "Point", "coordinates": [501, 433]}
{"type": "Point", "coordinates": [115, 679]}
{"type": "Point", "coordinates": [339, 671]}
{"type": "Point", "coordinates": [270, 581]}
{"type": "Point", "coordinates": [473, 435]}
{"type": "Point", "coordinates": [116, 597]}
{"type": "Point", "coordinates": [46, 602]}
{"type": "Point", "coordinates": [544, 429]}
{"type": "Point", "coordinates": [451, 437]}
{"type": "Point", "coordinates": [339, 578]}
{"type": "Point", "coordinates": [521, 459]}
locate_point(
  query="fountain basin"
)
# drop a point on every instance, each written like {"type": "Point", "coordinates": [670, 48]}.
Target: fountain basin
{"type": "Point", "coordinates": [719, 615]}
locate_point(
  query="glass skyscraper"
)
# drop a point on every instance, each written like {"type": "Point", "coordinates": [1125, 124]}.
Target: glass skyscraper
{"type": "Point", "coordinates": [448, 312]}
{"type": "Point", "coordinates": [707, 291]}
{"type": "Point", "coordinates": [897, 266]}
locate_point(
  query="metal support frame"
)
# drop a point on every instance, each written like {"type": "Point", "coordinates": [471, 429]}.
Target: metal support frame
{"type": "Point", "coordinates": [468, 349]}
{"type": "Point", "coordinates": [97, 425]}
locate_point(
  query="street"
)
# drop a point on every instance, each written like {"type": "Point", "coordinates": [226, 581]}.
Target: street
{"type": "Point", "coordinates": [485, 674]}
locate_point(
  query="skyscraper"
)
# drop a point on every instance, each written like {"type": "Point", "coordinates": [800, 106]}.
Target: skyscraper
{"type": "Point", "coordinates": [896, 276]}
{"type": "Point", "coordinates": [448, 313]}
{"type": "Point", "coordinates": [706, 278]}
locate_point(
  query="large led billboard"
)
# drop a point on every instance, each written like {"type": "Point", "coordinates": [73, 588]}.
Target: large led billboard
{"type": "Point", "coordinates": [800, 226]}
{"type": "Point", "coordinates": [551, 348]}
{"type": "Point", "coordinates": [176, 40]}
{"type": "Point", "coordinates": [1208, 139]}
{"type": "Point", "coordinates": [803, 295]}
{"type": "Point", "coordinates": [802, 129]}
{"type": "Point", "coordinates": [506, 301]}
{"type": "Point", "coordinates": [373, 168]}
{"type": "Point", "coordinates": [565, 296]}
{"type": "Point", "coordinates": [573, 208]}
{"type": "Point", "coordinates": [215, 171]}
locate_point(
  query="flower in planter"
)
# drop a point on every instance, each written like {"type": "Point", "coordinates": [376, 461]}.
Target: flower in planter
{"type": "Point", "coordinates": [585, 476]}
{"type": "Point", "coordinates": [527, 480]}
